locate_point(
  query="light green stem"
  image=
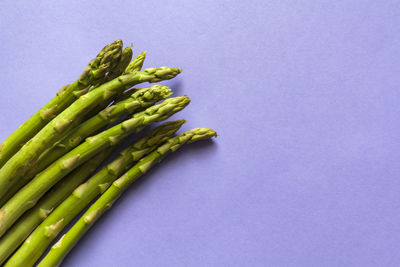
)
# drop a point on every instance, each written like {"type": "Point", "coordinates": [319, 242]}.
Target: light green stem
{"type": "Point", "coordinates": [31, 250]}
{"type": "Point", "coordinates": [28, 222]}
{"type": "Point", "coordinates": [78, 134]}
{"type": "Point", "coordinates": [28, 196]}
{"type": "Point", "coordinates": [23, 161]}
{"type": "Point", "coordinates": [67, 242]}
{"type": "Point", "coordinates": [107, 59]}
{"type": "Point", "coordinates": [138, 101]}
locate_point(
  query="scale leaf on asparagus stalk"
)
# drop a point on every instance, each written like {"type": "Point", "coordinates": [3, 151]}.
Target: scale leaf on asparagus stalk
{"type": "Point", "coordinates": [28, 196]}
{"type": "Point", "coordinates": [23, 161]}
{"type": "Point", "coordinates": [73, 205]}
{"type": "Point", "coordinates": [97, 69]}
{"type": "Point", "coordinates": [67, 242]}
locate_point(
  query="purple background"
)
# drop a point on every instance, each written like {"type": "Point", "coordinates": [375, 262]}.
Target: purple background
{"type": "Point", "coordinates": [305, 97]}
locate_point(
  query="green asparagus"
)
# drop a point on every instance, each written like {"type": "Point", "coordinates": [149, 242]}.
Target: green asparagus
{"type": "Point", "coordinates": [136, 65]}
{"type": "Point", "coordinates": [45, 161]}
{"type": "Point", "coordinates": [67, 242]}
{"type": "Point", "coordinates": [105, 61]}
{"type": "Point", "coordinates": [38, 241]}
{"type": "Point", "coordinates": [138, 101]}
{"type": "Point", "coordinates": [27, 223]}
{"type": "Point", "coordinates": [126, 58]}
{"type": "Point", "coordinates": [24, 160]}
{"type": "Point", "coordinates": [28, 196]}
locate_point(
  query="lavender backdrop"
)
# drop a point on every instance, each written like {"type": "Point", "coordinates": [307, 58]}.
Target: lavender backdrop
{"type": "Point", "coordinates": [305, 97]}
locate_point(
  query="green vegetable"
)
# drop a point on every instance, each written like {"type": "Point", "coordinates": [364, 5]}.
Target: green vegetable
{"type": "Point", "coordinates": [126, 57]}
{"type": "Point", "coordinates": [29, 195]}
{"type": "Point", "coordinates": [20, 165]}
{"type": "Point", "coordinates": [45, 163]}
{"type": "Point", "coordinates": [138, 101]}
{"type": "Point", "coordinates": [67, 242]}
{"type": "Point", "coordinates": [136, 65]}
{"type": "Point", "coordinates": [105, 61]}
{"type": "Point", "coordinates": [115, 72]}
{"type": "Point", "coordinates": [28, 222]}
{"type": "Point", "coordinates": [125, 66]}
{"type": "Point", "coordinates": [38, 241]}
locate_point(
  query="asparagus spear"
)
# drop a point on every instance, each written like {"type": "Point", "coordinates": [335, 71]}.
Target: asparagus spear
{"type": "Point", "coordinates": [67, 242]}
{"type": "Point", "coordinates": [46, 161]}
{"type": "Point", "coordinates": [20, 231]}
{"type": "Point", "coordinates": [136, 65]}
{"type": "Point", "coordinates": [125, 66]}
{"type": "Point", "coordinates": [106, 60]}
{"type": "Point", "coordinates": [33, 191]}
{"type": "Point", "coordinates": [27, 223]}
{"type": "Point", "coordinates": [126, 57]}
{"type": "Point", "coordinates": [138, 101]}
{"type": "Point", "coordinates": [115, 72]}
{"type": "Point", "coordinates": [21, 163]}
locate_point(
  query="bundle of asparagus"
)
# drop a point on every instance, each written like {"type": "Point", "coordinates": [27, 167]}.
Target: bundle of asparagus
{"type": "Point", "coordinates": [47, 166]}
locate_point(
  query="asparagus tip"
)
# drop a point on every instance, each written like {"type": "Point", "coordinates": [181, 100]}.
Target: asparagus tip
{"type": "Point", "coordinates": [202, 134]}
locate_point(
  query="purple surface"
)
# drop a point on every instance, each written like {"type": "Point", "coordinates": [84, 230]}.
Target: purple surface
{"type": "Point", "coordinates": [304, 94]}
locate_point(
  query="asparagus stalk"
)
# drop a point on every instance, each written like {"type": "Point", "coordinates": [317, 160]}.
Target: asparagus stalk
{"type": "Point", "coordinates": [67, 242]}
{"type": "Point", "coordinates": [27, 223]}
{"type": "Point", "coordinates": [138, 101]}
{"type": "Point", "coordinates": [21, 163]}
{"type": "Point", "coordinates": [46, 161]}
{"type": "Point", "coordinates": [20, 231]}
{"type": "Point", "coordinates": [125, 66]}
{"type": "Point", "coordinates": [115, 72]}
{"type": "Point", "coordinates": [33, 191]}
{"type": "Point", "coordinates": [136, 65]}
{"type": "Point", "coordinates": [106, 60]}
{"type": "Point", "coordinates": [126, 94]}
{"type": "Point", "coordinates": [126, 57]}
{"type": "Point", "coordinates": [125, 61]}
